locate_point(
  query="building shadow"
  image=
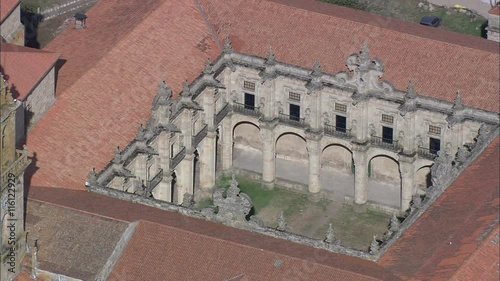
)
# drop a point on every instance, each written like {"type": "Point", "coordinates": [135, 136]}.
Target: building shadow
{"type": "Point", "coordinates": [484, 31]}
{"type": "Point", "coordinates": [31, 21]}
{"type": "Point", "coordinates": [29, 172]}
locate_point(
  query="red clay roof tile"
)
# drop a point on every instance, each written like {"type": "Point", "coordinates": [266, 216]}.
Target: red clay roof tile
{"type": "Point", "coordinates": [445, 236]}
{"type": "Point", "coordinates": [245, 245]}
{"type": "Point", "coordinates": [6, 6]}
{"type": "Point", "coordinates": [109, 80]}
{"type": "Point", "coordinates": [16, 63]}
{"type": "Point", "coordinates": [439, 62]}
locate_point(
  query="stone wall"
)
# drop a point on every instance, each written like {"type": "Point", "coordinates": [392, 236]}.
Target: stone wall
{"type": "Point", "coordinates": [63, 8]}
{"type": "Point", "coordinates": [12, 29]}
{"type": "Point", "coordinates": [385, 170]}
{"type": "Point", "coordinates": [338, 158]}
{"type": "Point", "coordinates": [40, 99]}
{"type": "Point", "coordinates": [494, 27]}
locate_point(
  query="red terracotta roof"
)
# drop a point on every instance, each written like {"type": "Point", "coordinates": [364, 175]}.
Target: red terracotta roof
{"type": "Point", "coordinates": [6, 6]}
{"type": "Point", "coordinates": [237, 241]}
{"type": "Point", "coordinates": [484, 263]}
{"type": "Point", "coordinates": [495, 10]}
{"type": "Point", "coordinates": [452, 229]}
{"type": "Point", "coordinates": [16, 63]}
{"type": "Point", "coordinates": [183, 255]}
{"type": "Point", "coordinates": [109, 80]}
{"type": "Point", "coordinates": [439, 62]}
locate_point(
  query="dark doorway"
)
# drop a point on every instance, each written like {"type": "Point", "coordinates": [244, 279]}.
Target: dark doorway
{"type": "Point", "coordinates": [172, 188]}
{"type": "Point", "coordinates": [294, 112]}
{"type": "Point", "coordinates": [340, 123]}
{"type": "Point", "coordinates": [249, 101]}
{"type": "Point", "coordinates": [434, 145]}
{"type": "Point", "coordinates": [387, 134]}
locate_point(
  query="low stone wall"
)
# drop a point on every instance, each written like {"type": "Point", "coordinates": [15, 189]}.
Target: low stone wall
{"type": "Point", "coordinates": [59, 9]}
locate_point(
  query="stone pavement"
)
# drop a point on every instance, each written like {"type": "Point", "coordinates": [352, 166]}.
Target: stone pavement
{"type": "Point", "coordinates": [334, 181]}
{"type": "Point", "coordinates": [480, 6]}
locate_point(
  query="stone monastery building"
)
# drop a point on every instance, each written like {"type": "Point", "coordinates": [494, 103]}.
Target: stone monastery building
{"type": "Point", "coordinates": [158, 98]}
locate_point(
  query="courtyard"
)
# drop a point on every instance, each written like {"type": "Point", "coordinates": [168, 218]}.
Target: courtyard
{"type": "Point", "coordinates": [309, 218]}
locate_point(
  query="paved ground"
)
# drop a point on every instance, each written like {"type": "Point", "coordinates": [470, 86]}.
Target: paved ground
{"type": "Point", "coordinates": [331, 181]}
{"type": "Point", "coordinates": [480, 6]}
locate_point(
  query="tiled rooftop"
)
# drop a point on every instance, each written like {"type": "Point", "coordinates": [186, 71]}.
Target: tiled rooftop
{"type": "Point", "coordinates": [16, 63]}
{"type": "Point", "coordinates": [454, 227]}
{"type": "Point", "coordinates": [177, 227]}
{"type": "Point", "coordinates": [6, 6]}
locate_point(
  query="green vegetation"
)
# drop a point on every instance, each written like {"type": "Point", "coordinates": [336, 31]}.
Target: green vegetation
{"type": "Point", "coordinates": [408, 10]}
{"type": "Point", "coordinates": [32, 5]}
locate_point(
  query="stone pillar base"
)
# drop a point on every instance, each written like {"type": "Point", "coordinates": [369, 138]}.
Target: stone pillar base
{"type": "Point", "coordinates": [268, 185]}
{"type": "Point", "coordinates": [359, 208]}
{"type": "Point", "coordinates": [314, 197]}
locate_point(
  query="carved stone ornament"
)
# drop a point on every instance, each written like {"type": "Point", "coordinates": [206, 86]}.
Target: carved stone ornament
{"type": "Point", "coordinates": [410, 101]}
{"type": "Point", "coordinates": [163, 96]}
{"type": "Point", "coordinates": [441, 170]}
{"type": "Point", "coordinates": [262, 103]}
{"type": "Point", "coordinates": [354, 128]}
{"type": "Point", "coordinates": [367, 73]}
{"type": "Point", "coordinates": [282, 226]}
{"type": "Point", "coordinates": [208, 69]}
{"type": "Point", "coordinates": [118, 156]}
{"type": "Point", "coordinates": [141, 132]}
{"type": "Point", "coordinates": [330, 236]}
{"type": "Point", "coordinates": [374, 246]}
{"type": "Point", "coordinates": [187, 200]}
{"type": "Point", "coordinates": [315, 83]}
{"type": "Point", "coordinates": [186, 91]}
{"type": "Point", "coordinates": [395, 224]}
{"type": "Point", "coordinates": [235, 206]}
{"type": "Point", "coordinates": [326, 118]}
{"type": "Point", "coordinates": [458, 112]}
{"type": "Point", "coordinates": [92, 177]}
{"type": "Point", "coordinates": [228, 47]}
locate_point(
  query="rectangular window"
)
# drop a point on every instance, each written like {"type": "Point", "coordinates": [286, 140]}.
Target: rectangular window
{"type": "Point", "coordinates": [249, 85]}
{"type": "Point", "coordinates": [294, 112]}
{"type": "Point", "coordinates": [340, 123]}
{"type": "Point", "coordinates": [387, 134]}
{"type": "Point", "coordinates": [340, 107]}
{"type": "Point", "coordinates": [294, 96]}
{"type": "Point", "coordinates": [249, 101]}
{"type": "Point", "coordinates": [172, 150]}
{"type": "Point", "coordinates": [387, 118]}
{"type": "Point", "coordinates": [434, 145]}
{"type": "Point", "coordinates": [434, 130]}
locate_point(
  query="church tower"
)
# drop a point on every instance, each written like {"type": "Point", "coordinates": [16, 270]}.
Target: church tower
{"type": "Point", "coordinates": [13, 163]}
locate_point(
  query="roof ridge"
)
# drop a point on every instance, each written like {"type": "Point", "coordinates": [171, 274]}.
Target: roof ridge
{"type": "Point", "coordinates": [491, 49]}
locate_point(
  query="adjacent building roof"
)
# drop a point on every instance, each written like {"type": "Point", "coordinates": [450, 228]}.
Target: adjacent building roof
{"type": "Point", "coordinates": [175, 254]}
{"type": "Point", "coordinates": [110, 77]}
{"type": "Point", "coordinates": [208, 246]}
{"type": "Point", "coordinates": [72, 243]}
{"type": "Point", "coordinates": [454, 227]}
{"type": "Point", "coordinates": [17, 64]}
{"type": "Point", "coordinates": [6, 7]}
{"type": "Point", "coordinates": [484, 263]}
{"type": "Point", "coordinates": [439, 62]}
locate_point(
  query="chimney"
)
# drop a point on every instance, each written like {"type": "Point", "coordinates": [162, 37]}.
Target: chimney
{"type": "Point", "coordinates": [494, 24]}
{"type": "Point", "coordinates": [80, 20]}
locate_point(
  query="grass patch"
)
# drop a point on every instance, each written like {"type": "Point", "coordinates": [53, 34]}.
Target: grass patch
{"type": "Point", "coordinates": [408, 10]}
{"type": "Point", "coordinates": [32, 5]}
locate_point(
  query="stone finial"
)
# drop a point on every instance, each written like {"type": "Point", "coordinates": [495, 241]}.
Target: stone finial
{"type": "Point", "coordinates": [316, 70]}
{"type": "Point", "coordinates": [364, 53]}
{"type": "Point", "coordinates": [441, 170]}
{"type": "Point", "coordinates": [233, 189]}
{"type": "Point", "coordinates": [118, 156]}
{"type": "Point", "coordinates": [187, 200]}
{"type": "Point", "coordinates": [387, 235]}
{"type": "Point", "coordinates": [228, 48]}
{"type": "Point", "coordinates": [457, 104]}
{"type": "Point", "coordinates": [416, 201]}
{"type": "Point", "coordinates": [234, 207]}
{"type": "Point", "coordinates": [208, 69]}
{"type": "Point", "coordinates": [374, 246]}
{"type": "Point", "coordinates": [141, 132]}
{"type": "Point", "coordinates": [410, 102]}
{"type": "Point", "coordinates": [163, 95]}
{"type": "Point", "coordinates": [411, 93]}
{"type": "Point", "coordinates": [394, 225]}
{"type": "Point", "coordinates": [186, 91]}
{"type": "Point", "coordinates": [282, 226]}
{"type": "Point", "coordinates": [270, 56]}
{"type": "Point", "coordinates": [5, 94]}
{"type": "Point", "coordinates": [330, 236]}
{"type": "Point", "coordinates": [92, 177]}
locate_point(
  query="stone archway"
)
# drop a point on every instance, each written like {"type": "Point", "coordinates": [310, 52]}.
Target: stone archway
{"type": "Point", "coordinates": [384, 181]}
{"type": "Point", "coordinates": [247, 148]}
{"type": "Point", "coordinates": [337, 171]}
{"type": "Point", "coordinates": [423, 179]}
{"type": "Point", "coordinates": [292, 158]}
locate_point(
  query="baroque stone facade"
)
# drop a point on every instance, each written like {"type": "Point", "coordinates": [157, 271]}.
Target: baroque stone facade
{"type": "Point", "coordinates": [13, 164]}
{"type": "Point", "coordinates": [351, 120]}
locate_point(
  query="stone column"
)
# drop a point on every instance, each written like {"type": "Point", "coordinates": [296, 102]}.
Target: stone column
{"type": "Point", "coordinates": [360, 176]}
{"type": "Point", "coordinates": [314, 150]}
{"type": "Point", "coordinates": [227, 144]}
{"type": "Point", "coordinates": [185, 176]}
{"type": "Point", "coordinates": [207, 161]}
{"type": "Point", "coordinates": [407, 170]}
{"type": "Point", "coordinates": [163, 191]}
{"type": "Point", "coordinates": [268, 155]}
